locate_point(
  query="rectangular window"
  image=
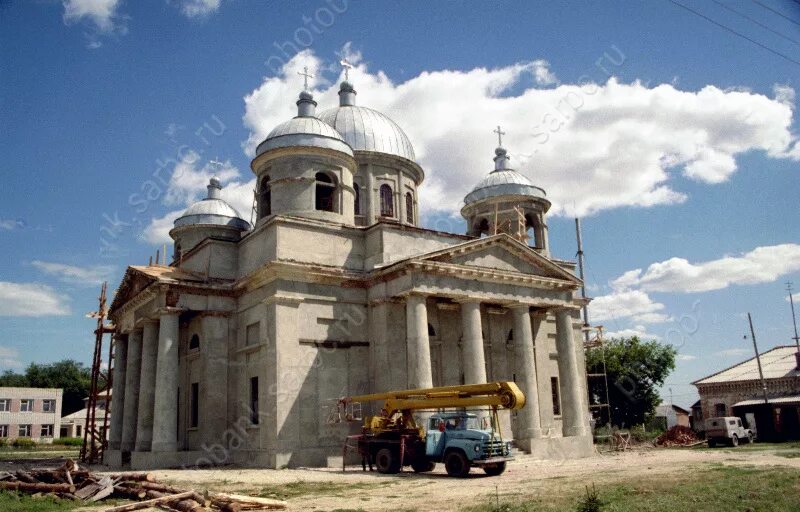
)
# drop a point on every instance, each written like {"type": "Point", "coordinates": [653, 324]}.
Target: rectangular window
{"type": "Point", "coordinates": [3, 430]}
{"type": "Point", "coordinates": [556, 396]}
{"type": "Point", "coordinates": [194, 413]}
{"type": "Point", "coordinates": [5, 405]}
{"type": "Point", "coordinates": [78, 430]}
{"type": "Point", "coordinates": [252, 334]}
{"type": "Point", "coordinates": [254, 400]}
{"type": "Point", "coordinates": [47, 431]}
{"type": "Point", "coordinates": [26, 405]}
{"type": "Point", "coordinates": [719, 410]}
{"type": "Point", "coordinates": [48, 406]}
{"type": "Point", "coordinates": [24, 431]}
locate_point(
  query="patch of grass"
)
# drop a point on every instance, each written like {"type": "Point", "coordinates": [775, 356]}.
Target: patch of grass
{"type": "Point", "coordinates": [19, 502]}
{"type": "Point", "coordinates": [302, 488]}
{"type": "Point", "coordinates": [714, 489]}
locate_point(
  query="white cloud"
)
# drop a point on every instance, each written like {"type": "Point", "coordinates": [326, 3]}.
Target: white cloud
{"type": "Point", "coordinates": [10, 225]}
{"type": "Point", "coordinates": [626, 142]}
{"type": "Point", "coordinates": [9, 358]}
{"type": "Point", "coordinates": [188, 184]}
{"type": "Point", "coordinates": [685, 357]}
{"type": "Point", "coordinates": [102, 16]}
{"type": "Point", "coordinates": [795, 297]}
{"type": "Point", "coordinates": [761, 265]}
{"type": "Point", "coordinates": [86, 276]}
{"type": "Point", "coordinates": [734, 352]}
{"type": "Point", "coordinates": [633, 304]}
{"type": "Point", "coordinates": [640, 331]}
{"type": "Point", "coordinates": [31, 299]}
{"type": "Point", "coordinates": [199, 8]}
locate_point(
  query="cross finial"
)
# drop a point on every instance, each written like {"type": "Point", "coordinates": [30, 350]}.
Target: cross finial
{"type": "Point", "coordinates": [306, 75]}
{"type": "Point", "coordinates": [500, 134]}
{"type": "Point", "coordinates": [347, 67]}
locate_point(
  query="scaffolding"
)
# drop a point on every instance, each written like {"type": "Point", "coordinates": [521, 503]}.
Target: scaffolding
{"type": "Point", "coordinates": [598, 379]}
{"type": "Point", "coordinates": [94, 433]}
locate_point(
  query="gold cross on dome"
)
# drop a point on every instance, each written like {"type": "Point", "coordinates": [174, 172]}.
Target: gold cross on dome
{"type": "Point", "coordinates": [306, 75]}
{"type": "Point", "coordinates": [500, 134]}
{"type": "Point", "coordinates": [347, 67]}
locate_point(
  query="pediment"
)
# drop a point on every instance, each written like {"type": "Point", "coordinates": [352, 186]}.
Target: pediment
{"type": "Point", "coordinates": [501, 252]}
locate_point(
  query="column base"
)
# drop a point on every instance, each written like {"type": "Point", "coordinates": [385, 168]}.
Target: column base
{"type": "Point", "coordinates": [558, 448]}
{"type": "Point", "coordinates": [164, 447]}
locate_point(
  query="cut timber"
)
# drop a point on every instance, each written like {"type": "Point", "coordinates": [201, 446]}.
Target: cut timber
{"type": "Point", "coordinates": [151, 503]}
{"type": "Point", "coordinates": [34, 488]}
{"type": "Point", "coordinates": [133, 477]}
{"type": "Point", "coordinates": [23, 476]}
{"type": "Point", "coordinates": [248, 500]}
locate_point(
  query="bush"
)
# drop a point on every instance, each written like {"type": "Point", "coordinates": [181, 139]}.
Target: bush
{"type": "Point", "coordinates": [3, 442]}
{"type": "Point", "coordinates": [592, 502]}
{"type": "Point", "coordinates": [641, 435]}
{"type": "Point", "coordinates": [68, 441]}
{"type": "Point", "coordinates": [23, 442]}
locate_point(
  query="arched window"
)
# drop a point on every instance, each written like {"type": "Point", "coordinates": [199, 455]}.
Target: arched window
{"type": "Point", "coordinates": [194, 343]}
{"type": "Point", "coordinates": [482, 227]}
{"type": "Point", "coordinates": [387, 201]}
{"type": "Point", "coordinates": [409, 208]}
{"type": "Point", "coordinates": [265, 199]}
{"type": "Point", "coordinates": [326, 192]}
{"type": "Point", "coordinates": [357, 199]}
{"type": "Point", "coordinates": [431, 330]}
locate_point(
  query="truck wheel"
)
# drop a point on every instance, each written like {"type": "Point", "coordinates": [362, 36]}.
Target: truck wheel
{"type": "Point", "coordinates": [496, 469]}
{"type": "Point", "coordinates": [386, 462]}
{"type": "Point", "coordinates": [456, 464]}
{"type": "Point", "coordinates": [423, 466]}
{"type": "Point", "coordinates": [734, 440]}
{"type": "Point", "coordinates": [712, 443]}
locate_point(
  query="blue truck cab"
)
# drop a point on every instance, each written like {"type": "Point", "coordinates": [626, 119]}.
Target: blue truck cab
{"type": "Point", "coordinates": [458, 440]}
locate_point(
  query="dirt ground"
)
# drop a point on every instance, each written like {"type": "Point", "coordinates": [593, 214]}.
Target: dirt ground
{"type": "Point", "coordinates": [329, 489]}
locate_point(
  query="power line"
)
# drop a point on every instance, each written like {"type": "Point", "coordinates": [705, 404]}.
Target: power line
{"type": "Point", "coordinates": [732, 31]}
{"type": "Point", "coordinates": [765, 27]}
{"type": "Point", "coordinates": [777, 12]}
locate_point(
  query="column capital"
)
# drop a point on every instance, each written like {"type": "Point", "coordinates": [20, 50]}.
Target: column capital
{"type": "Point", "coordinates": [519, 307]}
{"type": "Point", "coordinates": [168, 310]}
{"type": "Point", "coordinates": [468, 300]}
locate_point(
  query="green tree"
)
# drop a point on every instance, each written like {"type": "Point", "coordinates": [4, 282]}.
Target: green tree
{"type": "Point", "coordinates": [71, 376]}
{"type": "Point", "coordinates": [635, 369]}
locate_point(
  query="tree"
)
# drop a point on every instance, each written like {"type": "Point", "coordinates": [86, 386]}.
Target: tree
{"type": "Point", "coordinates": [71, 376]}
{"type": "Point", "coordinates": [635, 370]}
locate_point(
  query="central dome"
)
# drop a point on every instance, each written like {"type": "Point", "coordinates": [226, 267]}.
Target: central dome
{"type": "Point", "coordinates": [366, 129]}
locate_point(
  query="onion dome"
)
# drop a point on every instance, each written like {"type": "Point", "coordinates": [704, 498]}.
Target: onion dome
{"type": "Point", "coordinates": [212, 211]}
{"type": "Point", "coordinates": [503, 181]}
{"type": "Point", "coordinates": [304, 130]}
{"type": "Point", "coordinates": [365, 129]}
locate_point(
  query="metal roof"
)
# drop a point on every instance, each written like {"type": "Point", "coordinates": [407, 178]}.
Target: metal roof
{"type": "Point", "coordinates": [503, 181]}
{"type": "Point", "coordinates": [779, 400]}
{"type": "Point", "coordinates": [212, 210]}
{"type": "Point", "coordinates": [777, 363]}
{"type": "Point", "coordinates": [304, 131]}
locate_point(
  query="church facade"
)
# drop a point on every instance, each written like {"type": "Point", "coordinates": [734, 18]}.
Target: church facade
{"type": "Point", "coordinates": [235, 351]}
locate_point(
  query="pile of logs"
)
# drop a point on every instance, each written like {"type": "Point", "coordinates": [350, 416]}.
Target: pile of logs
{"type": "Point", "coordinates": [678, 436]}
{"type": "Point", "coordinates": [74, 483]}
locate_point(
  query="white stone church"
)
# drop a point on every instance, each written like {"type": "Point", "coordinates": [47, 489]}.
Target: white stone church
{"type": "Point", "coordinates": [234, 352]}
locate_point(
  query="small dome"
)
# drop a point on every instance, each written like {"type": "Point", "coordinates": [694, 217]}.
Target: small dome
{"type": "Point", "coordinates": [503, 181]}
{"type": "Point", "coordinates": [304, 130]}
{"type": "Point", "coordinates": [212, 211]}
{"type": "Point", "coordinates": [365, 129]}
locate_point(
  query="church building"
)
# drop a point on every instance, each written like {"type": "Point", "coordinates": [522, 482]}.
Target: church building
{"type": "Point", "coordinates": [235, 352]}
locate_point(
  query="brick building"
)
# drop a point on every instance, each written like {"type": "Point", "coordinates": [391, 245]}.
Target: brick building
{"type": "Point", "coordinates": [30, 412]}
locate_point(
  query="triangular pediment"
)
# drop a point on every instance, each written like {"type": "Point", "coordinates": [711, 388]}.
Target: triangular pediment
{"type": "Point", "coordinates": [501, 252]}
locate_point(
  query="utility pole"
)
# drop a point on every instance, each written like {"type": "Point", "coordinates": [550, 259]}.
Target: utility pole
{"type": "Point", "coordinates": [794, 318]}
{"type": "Point", "coordinates": [583, 285]}
{"type": "Point", "coordinates": [758, 359]}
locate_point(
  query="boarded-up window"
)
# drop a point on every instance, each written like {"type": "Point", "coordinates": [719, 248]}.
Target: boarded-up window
{"type": "Point", "coordinates": [253, 334]}
{"type": "Point", "coordinates": [254, 400]}
{"type": "Point", "coordinates": [556, 396]}
{"type": "Point", "coordinates": [194, 405]}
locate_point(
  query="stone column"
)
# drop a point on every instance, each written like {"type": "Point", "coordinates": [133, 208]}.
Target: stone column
{"type": "Point", "coordinates": [417, 343]}
{"type": "Point", "coordinates": [214, 410]}
{"type": "Point", "coordinates": [371, 195]}
{"type": "Point", "coordinates": [380, 369]}
{"type": "Point", "coordinates": [165, 403]}
{"type": "Point", "coordinates": [131, 406]}
{"type": "Point", "coordinates": [474, 360]}
{"type": "Point", "coordinates": [574, 417]}
{"type": "Point", "coordinates": [147, 386]}
{"type": "Point", "coordinates": [526, 364]}
{"type": "Point", "coordinates": [118, 392]}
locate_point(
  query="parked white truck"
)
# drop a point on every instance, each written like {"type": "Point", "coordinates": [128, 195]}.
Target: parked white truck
{"type": "Point", "coordinates": [727, 430]}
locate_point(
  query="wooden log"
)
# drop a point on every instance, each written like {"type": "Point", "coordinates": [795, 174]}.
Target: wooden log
{"type": "Point", "coordinates": [227, 506]}
{"type": "Point", "coordinates": [155, 486]}
{"type": "Point", "coordinates": [150, 503]}
{"type": "Point", "coordinates": [134, 477]}
{"type": "Point", "coordinates": [248, 500]}
{"type": "Point", "coordinates": [192, 503]}
{"type": "Point", "coordinates": [132, 492]}
{"type": "Point", "coordinates": [38, 487]}
{"type": "Point", "coordinates": [23, 476]}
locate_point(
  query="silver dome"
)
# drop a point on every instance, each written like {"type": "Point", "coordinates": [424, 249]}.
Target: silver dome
{"type": "Point", "coordinates": [503, 181]}
{"type": "Point", "coordinates": [365, 129]}
{"type": "Point", "coordinates": [212, 211]}
{"type": "Point", "coordinates": [304, 130]}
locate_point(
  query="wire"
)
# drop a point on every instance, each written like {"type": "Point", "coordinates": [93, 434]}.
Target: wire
{"type": "Point", "coordinates": [732, 31]}
{"type": "Point", "coordinates": [765, 27]}
{"type": "Point", "coordinates": [777, 12]}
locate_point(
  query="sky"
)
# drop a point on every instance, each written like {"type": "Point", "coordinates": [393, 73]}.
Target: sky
{"type": "Point", "coordinates": [669, 127]}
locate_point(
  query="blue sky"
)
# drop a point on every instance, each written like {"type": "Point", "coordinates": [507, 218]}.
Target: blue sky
{"type": "Point", "coordinates": [675, 139]}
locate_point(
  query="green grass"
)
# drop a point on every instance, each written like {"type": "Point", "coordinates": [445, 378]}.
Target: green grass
{"type": "Point", "coordinates": [11, 501]}
{"type": "Point", "coordinates": [302, 488]}
{"type": "Point", "coordinates": [716, 489]}
{"type": "Point", "coordinates": [789, 450]}
{"type": "Point", "coordinates": [38, 452]}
